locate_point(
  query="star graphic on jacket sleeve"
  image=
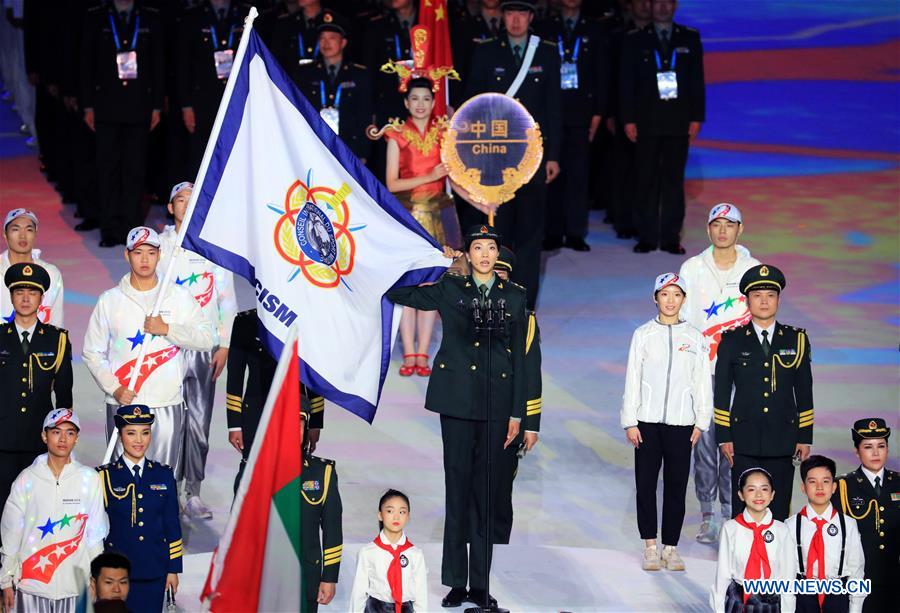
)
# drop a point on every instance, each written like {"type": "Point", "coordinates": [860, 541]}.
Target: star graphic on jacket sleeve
{"type": "Point", "coordinates": [729, 303]}
{"type": "Point", "coordinates": [192, 279]}
{"type": "Point", "coordinates": [137, 339]}
{"type": "Point", "coordinates": [65, 521]}
{"type": "Point", "coordinates": [47, 528]}
{"type": "Point", "coordinates": [712, 310]}
{"type": "Point", "coordinates": [42, 562]}
{"type": "Point", "coordinates": [60, 552]}
{"type": "Point", "coordinates": [180, 281]}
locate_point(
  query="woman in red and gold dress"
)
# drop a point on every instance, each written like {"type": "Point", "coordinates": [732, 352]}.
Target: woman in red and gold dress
{"type": "Point", "coordinates": [417, 177]}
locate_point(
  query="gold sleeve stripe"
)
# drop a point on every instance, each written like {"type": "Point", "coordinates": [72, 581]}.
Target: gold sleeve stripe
{"type": "Point", "coordinates": [721, 412]}
{"type": "Point", "coordinates": [722, 422]}
{"type": "Point", "coordinates": [234, 397]}
{"type": "Point", "coordinates": [806, 424]}
{"type": "Point", "coordinates": [334, 556]}
{"type": "Point", "coordinates": [529, 335]}
{"type": "Point", "coordinates": [317, 408]}
{"type": "Point", "coordinates": [806, 413]}
{"type": "Point", "coordinates": [173, 543]}
{"type": "Point", "coordinates": [175, 556]}
{"type": "Point", "coordinates": [529, 413]}
{"type": "Point", "coordinates": [535, 401]}
{"type": "Point", "coordinates": [173, 552]}
{"type": "Point", "coordinates": [333, 549]}
{"type": "Point", "coordinates": [317, 401]}
{"type": "Point", "coordinates": [233, 408]}
{"type": "Point", "coordinates": [336, 560]}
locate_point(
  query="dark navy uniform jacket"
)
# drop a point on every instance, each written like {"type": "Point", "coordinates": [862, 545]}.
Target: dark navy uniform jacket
{"type": "Point", "coordinates": [143, 519]}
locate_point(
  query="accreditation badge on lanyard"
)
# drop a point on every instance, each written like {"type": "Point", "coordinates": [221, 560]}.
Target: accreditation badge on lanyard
{"type": "Point", "coordinates": [666, 80]}
{"type": "Point", "coordinates": [223, 59]}
{"type": "Point", "coordinates": [126, 61]}
{"type": "Point", "coordinates": [331, 114]}
{"type": "Point", "coordinates": [568, 71]}
{"type": "Point", "coordinates": [301, 49]}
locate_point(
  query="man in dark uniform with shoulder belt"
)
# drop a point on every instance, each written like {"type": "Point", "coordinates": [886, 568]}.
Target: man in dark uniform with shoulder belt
{"type": "Point", "coordinates": [457, 389]}
{"type": "Point", "coordinates": [322, 537]}
{"type": "Point", "coordinates": [35, 360]}
{"type": "Point", "coordinates": [340, 90]}
{"type": "Point", "coordinates": [662, 104]}
{"type": "Point", "coordinates": [244, 402]}
{"type": "Point", "coordinates": [122, 81]}
{"type": "Point", "coordinates": [584, 79]}
{"type": "Point", "coordinates": [208, 37]}
{"type": "Point", "coordinates": [495, 64]}
{"type": "Point", "coordinates": [769, 422]}
{"type": "Point", "coordinates": [871, 495]}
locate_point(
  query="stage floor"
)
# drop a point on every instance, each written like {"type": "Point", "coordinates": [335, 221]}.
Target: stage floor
{"type": "Point", "coordinates": [811, 157]}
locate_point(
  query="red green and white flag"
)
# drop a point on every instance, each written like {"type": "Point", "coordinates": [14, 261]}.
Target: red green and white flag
{"type": "Point", "coordinates": [256, 566]}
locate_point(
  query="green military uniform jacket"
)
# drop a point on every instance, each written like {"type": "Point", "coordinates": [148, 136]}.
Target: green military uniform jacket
{"type": "Point", "coordinates": [322, 536]}
{"type": "Point", "coordinates": [533, 383]}
{"type": "Point", "coordinates": [772, 410]}
{"type": "Point", "coordinates": [27, 382]}
{"type": "Point", "coordinates": [457, 386]}
{"type": "Point", "coordinates": [878, 518]}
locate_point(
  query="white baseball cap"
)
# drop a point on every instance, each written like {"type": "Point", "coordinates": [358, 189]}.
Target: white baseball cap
{"type": "Point", "coordinates": [667, 279]}
{"type": "Point", "coordinates": [178, 187]}
{"type": "Point", "coordinates": [15, 213]}
{"type": "Point", "coordinates": [59, 416]}
{"type": "Point", "coordinates": [142, 235]}
{"type": "Point", "coordinates": [725, 210]}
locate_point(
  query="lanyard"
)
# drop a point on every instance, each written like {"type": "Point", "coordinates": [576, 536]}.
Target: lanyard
{"type": "Point", "coordinates": [337, 94]}
{"type": "Point", "coordinates": [302, 48]}
{"type": "Point", "coordinates": [562, 53]}
{"type": "Point", "coordinates": [659, 62]}
{"type": "Point", "coordinates": [215, 39]}
{"type": "Point", "coordinates": [115, 31]}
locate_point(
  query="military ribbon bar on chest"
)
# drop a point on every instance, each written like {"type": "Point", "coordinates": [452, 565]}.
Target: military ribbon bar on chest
{"type": "Point", "coordinates": [568, 70]}
{"type": "Point", "coordinates": [666, 80]}
{"type": "Point", "coordinates": [126, 61]}
{"type": "Point", "coordinates": [223, 59]}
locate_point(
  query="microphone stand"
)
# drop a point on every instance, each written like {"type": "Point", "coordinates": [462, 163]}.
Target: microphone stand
{"type": "Point", "coordinates": [488, 317]}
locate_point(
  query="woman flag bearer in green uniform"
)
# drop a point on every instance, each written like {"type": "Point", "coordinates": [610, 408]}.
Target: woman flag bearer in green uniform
{"type": "Point", "coordinates": [457, 391]}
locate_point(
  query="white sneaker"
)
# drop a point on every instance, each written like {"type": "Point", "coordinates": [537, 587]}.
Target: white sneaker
{"type": "Point", "coordinates": [671, 559]}
{"type": "Point", "coordinates": [197, 509]}
{"type": "Point", "coordinates": [709, 530]}
{"type": "Point", "coordinates": [651, 558]}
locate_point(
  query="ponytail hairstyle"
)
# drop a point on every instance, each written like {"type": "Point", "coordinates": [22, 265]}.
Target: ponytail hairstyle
{"type": "Point", "coordinates": [391, 493]}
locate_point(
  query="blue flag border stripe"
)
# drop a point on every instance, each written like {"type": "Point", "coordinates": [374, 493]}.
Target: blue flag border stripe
{"type": "Point", "coordinates": [218, 161]}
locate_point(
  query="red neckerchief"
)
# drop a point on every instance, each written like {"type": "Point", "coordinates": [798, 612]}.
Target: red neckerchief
{"type": "Point", "coordinates": [758, 561]}
{"type": "Point", "coordinates": [395, 571]}
{"type": "Point", "coordinates": [817, 550]}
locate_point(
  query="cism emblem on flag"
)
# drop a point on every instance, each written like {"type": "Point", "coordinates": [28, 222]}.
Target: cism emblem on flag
{"type": "Point", "coordinates": [313, 232]}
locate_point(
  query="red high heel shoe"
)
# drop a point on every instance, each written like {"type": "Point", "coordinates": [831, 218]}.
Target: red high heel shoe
{"type": "Point", "coordinates": [423, 371]}
{"type": "Point", "coordinates": [407, 370]}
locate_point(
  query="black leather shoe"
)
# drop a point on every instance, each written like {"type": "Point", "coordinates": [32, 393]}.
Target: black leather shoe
{"type": "Point", "coordinates": [553, 243]}
{"type": "Point", "coordinates": [676, 249]}
{"type": "Point", "coordinates": [643, 248]}
{"type": "Point", "coordinates": [455, 597]}
{"type": "Point", "coordinates": [577, 244]}
{"type": "Point", "coordinates": [477, 597]}
{"type": "Point", "coordinates": [111, 242]}
{"type": "Point", "coordinates": [87, 225]}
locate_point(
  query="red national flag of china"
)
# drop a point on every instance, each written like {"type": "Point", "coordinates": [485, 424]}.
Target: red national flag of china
{"type": "Point", "coordinates": [433, 15]}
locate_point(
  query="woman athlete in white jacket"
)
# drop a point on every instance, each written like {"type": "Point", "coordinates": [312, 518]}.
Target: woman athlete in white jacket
{"type": "Point", "coordinates": [667, 403]}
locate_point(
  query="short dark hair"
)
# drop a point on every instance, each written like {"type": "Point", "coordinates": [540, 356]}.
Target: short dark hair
{"type": "Point", "coordinates": [419, 82]}
{"type": "Point", "coordinates": [109, 559]}
{"type": "Point", "coordinates": [742, 480]}
{"type": "Point", "coordinates": [392, 493]}
{"type": "Point", "coordinates": [817, 461]}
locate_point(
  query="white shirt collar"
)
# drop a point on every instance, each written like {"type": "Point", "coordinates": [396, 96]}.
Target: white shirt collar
{"type": "Point", "coordinates": [811, 513]}
{"type": "Point", "coordinates": [30, 330]}
{"type": "Point", "coordinates": [871, 476]}
{"type": "Point", "coordinates": [766, 519]}
{"type": "Point", "coordinates": [384, 539]}
{"type": "Point", "coordinates": [131, 465]}
{"type": "Point", "coordinates": [770, 329]}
